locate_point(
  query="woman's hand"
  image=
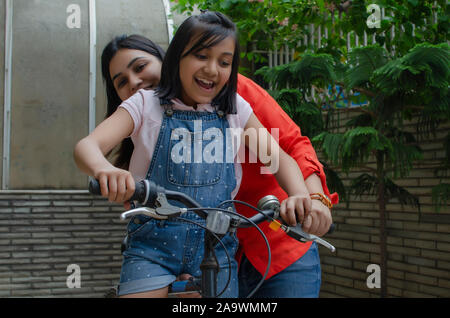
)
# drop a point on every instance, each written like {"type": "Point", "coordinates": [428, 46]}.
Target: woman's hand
{"type": "Point", "coordinates": [319, 220]}
{"type": "Point", "coordinates": [115, 184]}
{"type": "Point", "coordinates": [296, 208]}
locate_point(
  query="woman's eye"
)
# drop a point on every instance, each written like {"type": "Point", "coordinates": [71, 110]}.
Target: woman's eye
{"type": "Point", "coordinates": [121, 83]}
{"type": "Point", "coordinates": [226, 63]}
{"type": "Point", "coordinates": [140, 67]}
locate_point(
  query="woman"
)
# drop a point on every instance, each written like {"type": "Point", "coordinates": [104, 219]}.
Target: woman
{"type": "Point", "coordinates": [134, 62]}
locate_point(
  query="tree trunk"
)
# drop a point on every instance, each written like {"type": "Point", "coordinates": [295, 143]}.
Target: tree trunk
{"type": "Point", "coordinates": [382, 211]}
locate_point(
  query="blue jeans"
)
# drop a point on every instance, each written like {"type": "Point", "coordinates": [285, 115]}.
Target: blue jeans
{"type": "Point", "coordinates": [302, 279]}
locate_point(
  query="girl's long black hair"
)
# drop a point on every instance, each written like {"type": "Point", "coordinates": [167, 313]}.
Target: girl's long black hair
{"type": "Point", "coordinates": [209, 28]}
{"type": "Point", "coordinates": [133, 42]}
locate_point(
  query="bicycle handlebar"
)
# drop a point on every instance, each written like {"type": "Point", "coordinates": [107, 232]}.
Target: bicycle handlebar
{"type": "Point", "coordinates": [148, 193]}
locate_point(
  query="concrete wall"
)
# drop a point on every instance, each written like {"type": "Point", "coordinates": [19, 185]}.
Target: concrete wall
{"type": "Point", "coordinates": [2, 72]}
{"type": "Point", "coordinates": [50, 77]}
{"type": "Point", "coordinates": [50, 81]}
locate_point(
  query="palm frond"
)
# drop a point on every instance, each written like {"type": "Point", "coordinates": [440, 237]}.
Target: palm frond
{"type": "Point", "coordinates": [366, 184]}
{"type": "Point", "coordinates": [393, 191]}
{"type": "Point", "coordinates": [360, 142]}
{"type": "Point", "coordinates": [278, 77]}
{"type": "Point", "coordinates": [404, 152]}
{"type": "Point", "coordinates": [306, 114]}
{"type": "Point", "coordinates": [334, 182]}
{"type": "Point", "coordinates": [302, 73]}
{"type": "Point", "coordinates": [363, 62]}
{"type": "Point", "coordinates": [330, 144]}
{"type": "Point", "coordinates": [425, 65]}
{"type": "Point", "coordinates": [313, 69]}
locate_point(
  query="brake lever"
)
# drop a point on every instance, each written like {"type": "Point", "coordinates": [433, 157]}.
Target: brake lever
{"type": "Point", "coordinates": [297, 233]}
{"type": "Point", "coordinates": [163, 210]}
{"type": "Point", "coordinates": [142, 211]}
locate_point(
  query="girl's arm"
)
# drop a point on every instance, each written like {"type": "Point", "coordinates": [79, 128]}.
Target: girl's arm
{"type": "Point", "coordinates": [89, 154]}
{"type": "Point", "coordinates": [284, 168]}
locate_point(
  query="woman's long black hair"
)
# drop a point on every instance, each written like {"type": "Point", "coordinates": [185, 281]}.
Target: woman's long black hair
{"type": "Point", "coordinates": [133, 42]}
{"type": "Point", "coordinates": [209, 28]}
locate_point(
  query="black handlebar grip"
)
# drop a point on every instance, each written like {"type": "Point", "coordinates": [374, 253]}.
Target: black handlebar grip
{"type": "Point", "coordinates": [140, 192]}
{"type": "Point", "coordinates": [94, 186]}
{"type": "Point", "coordinates": [331, 229]}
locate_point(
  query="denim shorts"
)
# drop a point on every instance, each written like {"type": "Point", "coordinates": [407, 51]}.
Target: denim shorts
{"type": "Point", "coordinates": [158, 251]}
{"type": "Point", "coordinates": [302, 279]}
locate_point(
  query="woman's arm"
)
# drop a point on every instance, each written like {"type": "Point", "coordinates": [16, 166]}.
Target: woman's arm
{"type": "Point", "coordinates": [299, 147]}
{"type": "Point", "coordinates": [89, 154]}
{"type": "Point", "coordinates": [271, 115]}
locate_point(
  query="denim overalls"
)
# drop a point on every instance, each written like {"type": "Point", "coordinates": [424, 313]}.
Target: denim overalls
{"type": "Point", "coordinates": [158, 251]}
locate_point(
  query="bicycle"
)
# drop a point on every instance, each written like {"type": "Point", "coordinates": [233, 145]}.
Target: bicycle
{"type": "Point", "coordinates": [219, 222]}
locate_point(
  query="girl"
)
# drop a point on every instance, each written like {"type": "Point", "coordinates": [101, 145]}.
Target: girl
{"type": "Point", "coordinates": [197, 89]}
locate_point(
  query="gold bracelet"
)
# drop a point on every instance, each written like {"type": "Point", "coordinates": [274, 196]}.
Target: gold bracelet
{"type": "Point", "coordinates": [322, 198]}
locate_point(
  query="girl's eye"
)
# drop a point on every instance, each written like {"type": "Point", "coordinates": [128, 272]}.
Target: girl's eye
{"type": "Point", "coordinates": [226, 63]}
{"type": "Point", "coordinates": [200, 56]}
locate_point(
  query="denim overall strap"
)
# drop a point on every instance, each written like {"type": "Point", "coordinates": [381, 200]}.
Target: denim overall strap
{"type": "Point", "coordinates": [190, 156]}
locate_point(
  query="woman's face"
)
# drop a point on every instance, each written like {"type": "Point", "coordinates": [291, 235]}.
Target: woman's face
{"type": "Point", "coordinates": [132, 70]}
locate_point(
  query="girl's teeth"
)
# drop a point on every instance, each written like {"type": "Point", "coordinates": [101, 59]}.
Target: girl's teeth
{"type": "Point", "coordinates": [205, 83]}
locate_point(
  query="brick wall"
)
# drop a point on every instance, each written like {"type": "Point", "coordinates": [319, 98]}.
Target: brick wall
{"type": "Point", "coordinates": [43, 232]}
{"type": "Point", "coordinates": [418, 244]}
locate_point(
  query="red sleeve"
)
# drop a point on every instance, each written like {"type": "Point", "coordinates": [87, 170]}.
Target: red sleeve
{"type": "Point", "coordinates": [271, 115]}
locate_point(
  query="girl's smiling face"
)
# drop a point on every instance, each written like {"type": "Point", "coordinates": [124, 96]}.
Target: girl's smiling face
{"type": "Point", "coordinates": [204, 73]}
{"type": "Point", "coordinates": [132, 70]}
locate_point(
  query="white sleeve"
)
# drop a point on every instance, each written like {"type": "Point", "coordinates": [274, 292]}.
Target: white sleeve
{"type": "Point", "coordinates": [135, 107]}
{"type": "Point", "coordinates": [244, 110]}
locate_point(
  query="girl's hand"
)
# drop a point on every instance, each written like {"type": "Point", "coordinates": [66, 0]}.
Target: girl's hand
{"type": "Point", "coordinates": [116, 184]}
{"type": "Point", "coordinates": [319, 221]}
{"type": "Point", "coordinates": [295, 208]}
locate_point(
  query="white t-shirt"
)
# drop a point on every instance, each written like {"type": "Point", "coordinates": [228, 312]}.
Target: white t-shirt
{"type": "Point", "coordinates": [147, 114]}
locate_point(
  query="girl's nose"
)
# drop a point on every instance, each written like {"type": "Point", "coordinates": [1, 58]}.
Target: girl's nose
{"type": "Point", "coordinates": [211, 68]}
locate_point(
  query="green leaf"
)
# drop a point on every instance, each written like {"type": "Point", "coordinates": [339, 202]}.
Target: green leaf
{"type": "Point", "coordinates": [363, 62]}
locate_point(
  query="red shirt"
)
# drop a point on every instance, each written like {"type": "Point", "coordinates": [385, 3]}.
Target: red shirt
{"type": "Point", "coordinates": [255, 185]}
